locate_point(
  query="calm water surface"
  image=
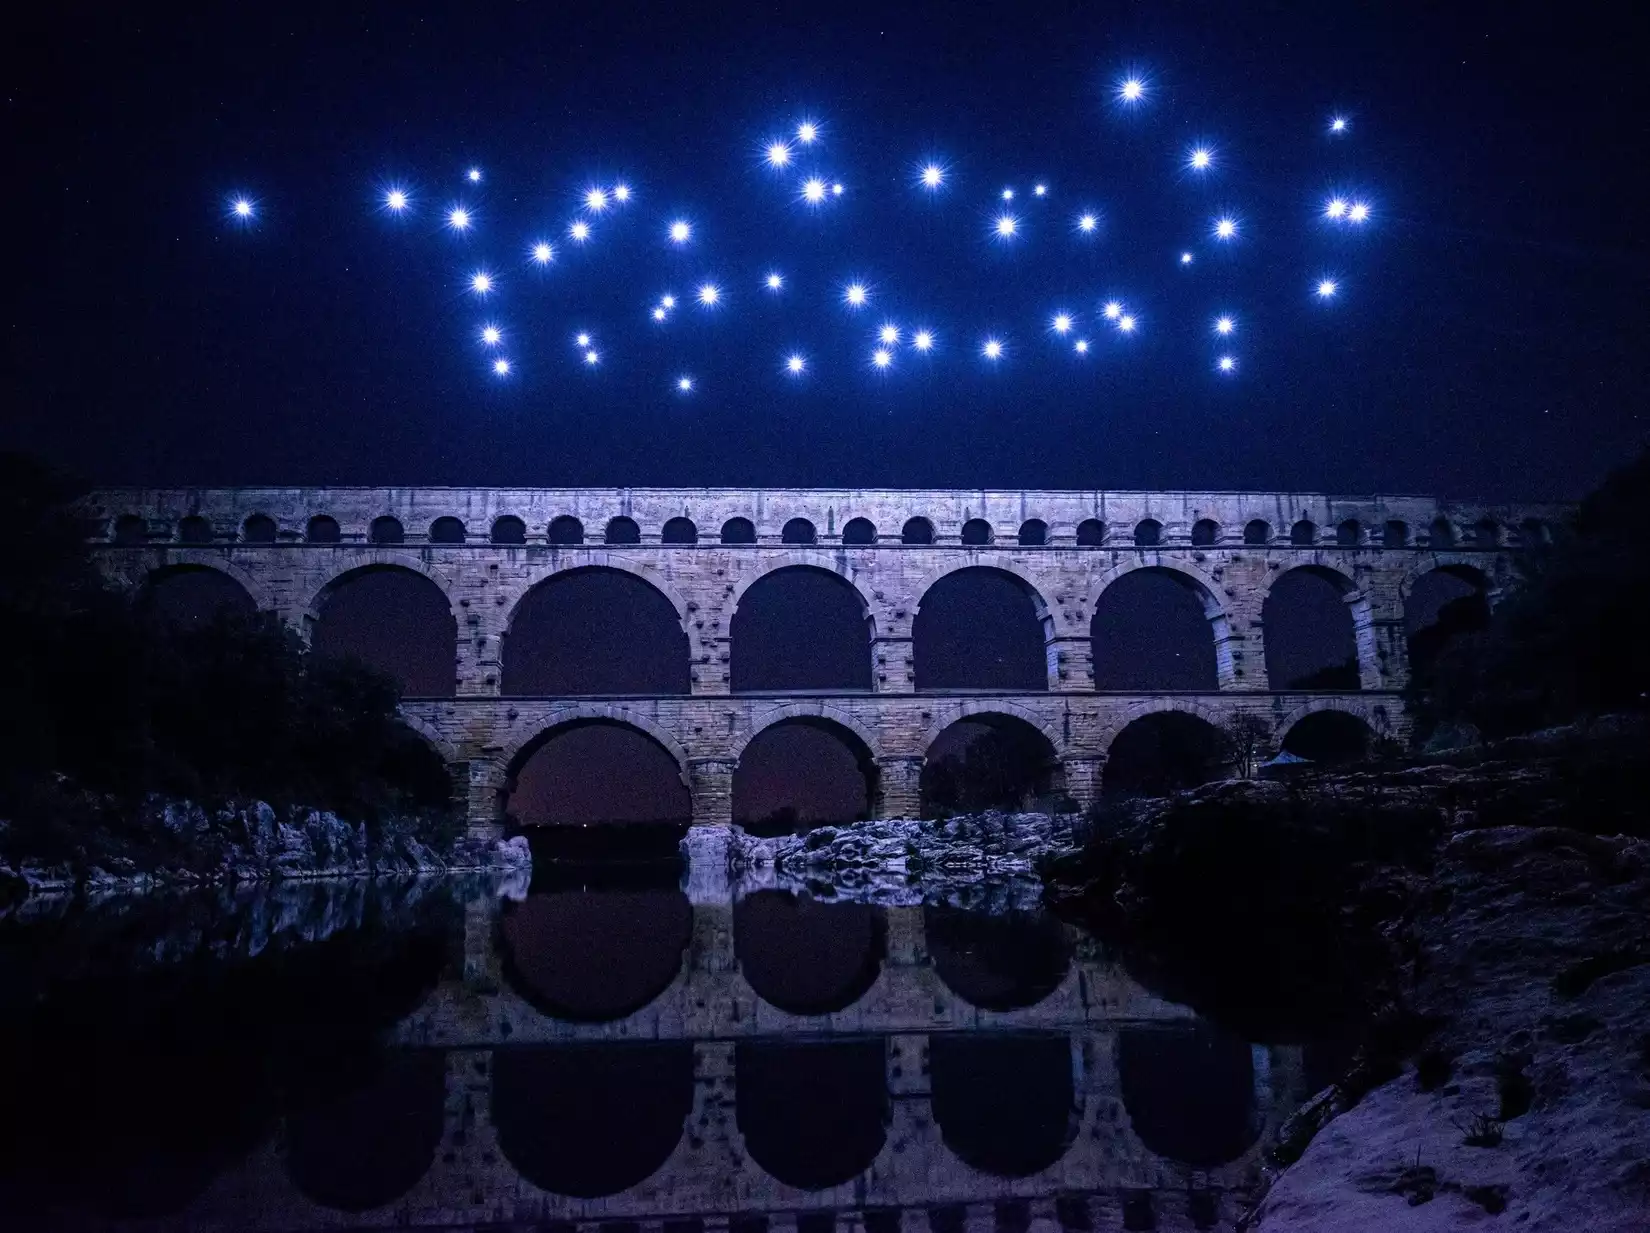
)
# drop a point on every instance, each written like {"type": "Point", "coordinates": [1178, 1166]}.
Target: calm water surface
{"type": "Point", "coordinates": [609, 1050]}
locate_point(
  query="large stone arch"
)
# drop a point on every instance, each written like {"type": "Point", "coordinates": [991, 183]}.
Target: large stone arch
{"type": "Point", "coordinates": [1200, 583]}
{"type": "Point", "coordinates": [586, 560]}
{"type": "Point", "coordinates": [359, 562]}
{"type": "Point", "coordinates": [1213, 715]}
{"type": "Point", "coordinates": [808, 710]}
{"type": "Point", "coordinates": [527, 737]}
{"type": "Point", "coordinates": [822, 560]}
{"type": "Point", "coordinates": [432, 735]}
{"type": "Point", "coordinates": [1358, 604]}
{"type": "Point", "coordinates": [956, 562]}
{"type": "Point", "coordinates": [1372, 711]}
{"type": "Point", "coordinates": [949, 713]}
{"type": "Point", "coordinates": [172, 560]}
{"type": "Point", "coordinates": [1459, 563]}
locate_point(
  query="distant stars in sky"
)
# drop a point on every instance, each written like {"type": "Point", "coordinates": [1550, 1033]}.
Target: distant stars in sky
{"type": "Point", "coordinates": [923, 340]}
{"type": "Point", "coordinates": [579, 231]}
{"type": "Point", "coordinates": [681, 231]}
{"type": "Point", "coordinates": [543, 253]}
{"type": "Point", "coordinates": [1327, 287]}
{"type": "Point", "coordinates": [459, 219]}
{"type": "Point", "coordinates": [1086, 223]}
{"type": "Point", "coordinates": [992, 349]}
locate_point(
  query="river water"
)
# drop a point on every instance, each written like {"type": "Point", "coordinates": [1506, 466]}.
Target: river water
{"type": "Point", "coordinates": [612, 1050]}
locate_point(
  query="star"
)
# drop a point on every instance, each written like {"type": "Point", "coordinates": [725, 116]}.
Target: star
{"type": "Point", "coordinates": [778, 154]}
{"type": "Point", "coordinates": [481, 282]}
{"type": "Point", "coordinates": [582, 340]}
{"type": "Point", "coordinates": [659, 314]}
{"type": "Point", "coordinates": [473, 175]}
{"type": "Point", "coordinates": [395, 199]}
{"type": "Point", "coordinates": [1327, 288]}
{"type": "Point", "coordinates": [1113, 310]}
{"type": "Point", "coordinates": [1226, 363]}
{"type": "Point", "coordinates": [1087, 223]}
{"type": "Point", "coordinates": [1008, 194]}
{"type": "Point", "coordinates": [923, 340]}
{"type": "Point", "coordinates": [807, 132]}
{"type": "Point", "coordinates": [794, 365]}
{"type": "Point", "coordinates": [1358, 213]}
{"type": "Point", "coordinates": [1126, 323]}
{"type": "Point", "coordinates": [813, 191]}
{"type": "Point", "coordinates": [992, 350]}
{"type": "Point", "coordinates": [1006, 227]}
{"type": "Point", "coordinates": [1131, 90]}
{"type": "Point", "coordinates": [242, 207]}
{"type": "Point", "coordinates": [933, 176]}
{"type": "Point", "coordinates": [775, 282]}
{"type": "Point", "coordinates": [1185, 258]}
{"type": "Point", "coordinates": [836, 189]}
{"type": "Point", "coordinates": [579, 231]}
{"type": "Point", "coordinates": [710, 295]}
{"type": "Point", "coordinates": [889, 333]}
{"type": "Point", "coordinates": [543, 253]}
{"type": "Point", "coordinates": [1337, 124]}
{"type": "Point", "coordinates": [1040, 190]}
{"type": "Point", "coordinates": [621, 193]}
{"type": "Point", "coordinates": [881, 358]}
{"type": "Point", "coordinates": [491, 335]}
{"type": "Point", "coordinates": [1062, 323]}
{"type": "Point", "coordinates": [595, 200]}
{"type": "Point", "coordinates": [667, 301]}
{"type": "Point", "coordinates": [1225, 228]}
{"type": "Point", "coordinates": [1081, 346]}
{"type": "Point", "coordinates": [591, 359]}
{"type": "Point", "coordinates": [857, 295]}
{"type": "Point", "coordinates": [1335, 208]}
{"type": "Point", "coordinates": [680, 231]}
{"type": "Point", "coordinates": [684, 384]}
{"type": "Point", "coordinates": [1224, 325]}
{"type": "Point", "coordinates": [1200, 158]}
{"type": "Point", "coordinates": [502, 367]}
{"type": "Point", "coordinates": [459, 219]}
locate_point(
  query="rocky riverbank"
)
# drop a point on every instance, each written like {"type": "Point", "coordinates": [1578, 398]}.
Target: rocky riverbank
{"type": "Point", "coordinates": [181, 844]}
{"type": "Point", "coordinates": [1487, 919]}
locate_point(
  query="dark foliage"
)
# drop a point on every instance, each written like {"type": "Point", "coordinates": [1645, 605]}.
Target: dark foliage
{"type": "Point", "coordinates": [999, 769]}
{"type": "Point", "coordinates": [108, 700]}
{"type": "Point", "coordinates": [1567, 642]}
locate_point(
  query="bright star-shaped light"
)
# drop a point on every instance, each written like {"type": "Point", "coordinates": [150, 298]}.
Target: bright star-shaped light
{"type": "Point", "coordinates": [395, 199]}
{"type": "Point", "coordinates": [1061, 323]}
{"type": "Point", "coordinates": [856, 295]}
{"type": "Point", "coordinates": [680, 231]}
{"type": "Point", "coordinates": [1226, 364]}
{"type": "Point", "coordinates": [1337, 124]}
{"type": "Point", "coordinates": [579, 231]}
{"type": "Point", "coordinates": [836, 189]}
{"type": "Point", "coordinates": [473, 175]}
{"type": "Point", "coordinates": [795, 364]}
{"type": "Point", "coordinates": [923, 340]}
{"type": "Point", "coordinates": [684, 384]}
{"type": "Point", "coordinates": [459, 219]}
{"type": "Point", "coordinates": [813, 191]}
{"type": "Point", "coordinates": [1224, 325]}
{"type": "Point", "coordinates": [1225, 228]}
{"type": "Point", "coordinates": [1185, 258]}
{"type": "Point", "coordinates": [242, 207]}
{"type": "Point", "coordinates": [591, 358]}
{"type": "Point", "coordinates": [1335, 207]}
{"type": "Point", "coordinates": [491, 335]}
{"type": "Point", "coordinates": [775, 282]}
{"type": "Point", "coordinates": [595, 200]}
{"type": "Point", "coordinates": [778, 154]}
{"type": "Point", "coordinates": [1006, 227]}
{"type": "Point", "coordinates": [1359, 213]}
{"type": "Point", "coordinates": [1200, 158]}
{"type": "Point", "coordinates": [667, 301]}
{"type": "Point", "coordinates": [481, 282]}
{"type": "Point", "coordinates": [992, 350]}
{"type": "Point", "coordinates": [621, 193]}
{"type": "Point", "coordinates": [807, 132]}
{"type": "Point", "coordinates": [710, 295]}
{"type": "Point", "coordinates": [1008, 194]}
{"type": "Point", "coordinates": [1087, 223]}
{"type": "Point", "coordinates": [932, 176]}
{"type": "Point", "coordinates": [881, 358]}
{"type": "Point", "coordinates": [659, 314]}
{"type": "Point", "coordinates": [889, 333]}
{"type": "Point", "coordinates": [1131, 90]}
{"type": "Point", "coordinates": [1040, 190]}
{"type": "Point", "coordinates": [582, 340]}
{"type": "Point", "coordinates": [543, 253]}
{"type": "Point", "coordinates": [1327, 288]}
{"type": "Point", "coordinates": [1081, 346]}
{"type": "Point", "coordinates": [1113, 310]}
{"type": "Point", "coordinates": [502, 367]}
{"type": "Point", "coordinates": [1126, 323]}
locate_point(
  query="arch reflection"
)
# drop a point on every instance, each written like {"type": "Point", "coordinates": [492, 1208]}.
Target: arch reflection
{"type": "Point", "coordinates": [1006, 1104]}
{"type": "Point", "coordinates": [997, 962]}
{"type": "Point", "coordinates": [1189, 1092]}
{"type": "Point", "coordinates": [808, 957]}
{"type": "Point", "coordinates": [813, 1115]}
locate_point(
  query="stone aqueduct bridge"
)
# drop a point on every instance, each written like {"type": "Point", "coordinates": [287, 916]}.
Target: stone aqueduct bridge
{"type": "Point", "coordinates": [702, 549]}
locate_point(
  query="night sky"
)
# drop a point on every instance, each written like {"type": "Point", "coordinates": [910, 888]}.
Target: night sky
{"type": "Point", "coordinates": [1487, 338]}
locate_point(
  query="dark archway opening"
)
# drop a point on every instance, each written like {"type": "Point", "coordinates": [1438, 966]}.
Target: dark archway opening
{"type": "Point", "coordinates": [323, 529]}
{"type": "Point", "coordinates": [1205, 532]}
{"type": "Point", "coordinates": [738, 531]}
{"type": "Point", "coordinates": [1189, 1092]}
{"type": "Point", "coordinates": [1441, 534]}
{"type": "Point", "coordinates": [859, 531]}
{"type": "Point", "coordinates": [997, 960]}
{"type": "Point", "coordinates": [623, 531]}
{"type": "Point", "coordinates": [813, 1115]}
{"type": "Point", "coordinates": [1444, 604]}
{"type": "Point", "coordinates": [1164, 752]}
{"type": "Point", "coordinates": [1329, 738]}
{"type": "Point", "coordinates": [1091, 533]}
{"type": "Point", "coordinates": [591, 1120]}
{"type": "Point", "coordinates": [1151, 632]}
{"type": "Point", "coordinates": [807, 957]}
{"type": "Point", "coordinates": [195, 530]}
{"type": "Point", "coordinates": [596, 772]}
{"type": "Point", "coordinates": [191, 596]}
{"type": "Point", "coordinates": [1310, 643]}
{"type": "Point", "coordinates": [1257, 532]}
{"type": "Point", "coordinates": [508, 530]}
{"type": "Point", "coordinates": [594, 632]}
{"type": "Point", "coordinates": [369, 1145]}
{"type": "Point", "coordinates": [1148, 533]}
{"type": "Point", "coordinates": [446, 531]}
{"type": "Point", "coordinates": [801, 773]}
{"type": "Point", "coordinates": [679, 531]}
{"type": "Point", "coordinates": [980, 628]}
{"type": "Point", "coordinates": [1395, 534]}
{"type": "Point", "coordinates": [1304, 533]}
{"type": "Point", "coordinates": [800, 628]}
{"type": "Point", "coordinates": [259, 529]}
{"type": "Point", "coordinates": [1033, 533]}
{"type": "Point", "coordinates": [917, 531]}
{"type": "Point", "coordinates": [1005, 1103]}
{"type": "Point", "coordinates": [129, 529]}
{"type": "Point", "coordinates": [797, 531]}
{"type": "Point", "coordinates": [1349, 534]}
{"type": "Point", "coordinates": [396, 620]}
{"type": "Point", "coordinates": [989, 762]}
{"type": "Point", "coordinates": [565, 529]}
{"type": "Point", "coordinates": [976, 531]}
{"type": "Point", "coordinates": [387, 530]}
{"type": "Point", "coordinates": [595, 956]}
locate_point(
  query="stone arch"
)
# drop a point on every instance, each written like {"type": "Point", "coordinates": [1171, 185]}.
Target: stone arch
{"type": "Point", "coordinates": [129, 529]}
{"type": "Point", "coordinates": [1486, 533]}
{"type": "Point", "coordinates": [323, 529]}
{"type": "Point", "coordinates": [756, 643]}
{"type": "Point", "coordinates": [1091, 533]}
{"type": "Point", "coordinates": [813, 1114]}
{"type": "Point", "coordinates": [859, 531]}
{"type": "Point", "coordinates": [622, 530]}
{"type": "Point", "coordinates": [1168, 638]}
{"type": "Point", "coordinates": [1033, 533]}
{"type": "Point", "coordinates": [977, 532]}
{"type": "Point", "coordinates": [447, 751]}
{"type": "Point", "coordinates": [1146, 763]}
{"type": "Point", "coordinates": [565, 530]}
{"type": "Point", "coordinates": [1006, 1103]}
{"type": "Point", "coordinates": [250, 582]}
{"type": "Point", "coordinates": [1212, 715]}
{"type": "Point", "coordinates": [806, 956]}
{"type": "Point", "coordinates": [377, 558]}
{"type": "Point", "coordinates": [507, 529]}
{"type": "Point", "coordinates": [259, 529]}
{"type": "Point", "coordinates": [193, 529]}
{"type": "Point", "coordinates": [798, 531]}
{"type": "Point", "coordinates": [590, 626]}
{"type": "Point", "coordinates": [1021, 768]}
{"type": "Point", "coordinates": [802, 560]}
{"type": "Point", "coordinates": [1257, 532]}
{"type": "Point", "coordinates": [810, 710]}
{"type": "Point", "coordinates": [407, 645]}
{"type": "Point", "coordinates": [447, 530]}
{"type": "Point", "coordinates": [1148, 533]}
{"type": "Point", "coordinates": [1304, 534]}
{"type": "Point", "coordinates": [738, 531]}
{"type": "Point", "coordinates": [386, 529]}
{"type": "Point", "coordinates": [1205, 533]}
{"type": "Point", "coordinates": [1317, 727]}
{"type": "Point", "coordinates": [917, 531]}
{"type": "Point", "coordinates": [923, 647]}
{"type": "Point", "coordinates": [1202, 582]}
{"type": "Point", "coordinates": [970, 708]}
{"type": "Point", "coordinates": [1466, 566]}
{"type": "Point", "coordinates": [1360, 623]}
{"type": "Point", "coordinates": [1349, 533]}
{"type": "Point", "coordinates": [519, 746]}
{"type": "Point", "coordinates": [827, 797]}
{"type": "Point", "coordinates": [1441, 533]}
{"type": "Point", "coordinates": [1395, 534]}
{"type": "Point", "coordinates": [679, 531]}
{"type": "Point", "coordinates": [601, 560]}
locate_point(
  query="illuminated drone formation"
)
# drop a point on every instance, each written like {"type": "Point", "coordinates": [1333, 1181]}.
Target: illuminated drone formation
{"type": "Point", "coordinates": [797, 156]}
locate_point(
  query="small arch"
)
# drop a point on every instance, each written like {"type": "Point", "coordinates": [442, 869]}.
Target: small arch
{"type": "Point", "coordinates": [1161, 752]}
{"type": "Point", "coordinates": [797, 531]}
{"type": "Point", "coordinates": [1257, 532]}
{"type": "Point", "coordinates": [859, 531]}
{"type": "Point", "coordinates": [917, 531]}
{"type": "Point", "coordinates": [1486, 533]}
{"type": "Point", "coordinates": [976, 531]}
{"type": "Point", "coordinates": [1533, 532]}
{"type": "Point", "coordinates": [1330, 738]}
{"type": "Point", "coordinates": [1395, 534]}
{"type": "Point", "coordinates": [1033, 533]}
{"type": "Point", "coordinates": [566, 529]}
{"type": "Point", "coordinates": [1091, 533]}
{"type": "Point", "coordinates": [1442, 533]}
{"type": "Point", "coordinates": [1005, 1102]}
{"type": "Point", "coordinates": [259, 529]}
{"type": "Point", "coordinates": [1205, 533]}
{"type": "Point", "coordinates": [813, 1114]}
{"type": "Point", "coordinates": [738, 531]}
{"type": "Point", "coordinates": [622, 530]}
{"type": "Point", "coordinates": [387, 530]}
{"type": "Point", "coordinates": [1148, 533]}
{"type": "Point", "coordinates": [808, 957]}
{"type": "Point", "coordinates": [997, 961]}
{"type": "Point", "coordinates": [194, 530]}
{"type": "Point", "coordinates": [679, 531]}
{"type": "Point", "coordinates": [323, 529]}
{"type": "Point", "coordinates": [1349, 533]}
{"type": "Point", "coordinates": [508, 529]}
{"type": "Point", "coordinates": [1304, 534]}
{"type": "Point", "coordinates": [130, 530]}
{"type": "Point", "coordinates": [447, 530]}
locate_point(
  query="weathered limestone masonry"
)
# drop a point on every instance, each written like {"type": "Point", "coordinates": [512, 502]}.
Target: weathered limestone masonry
{"type": "Point", "coordinates": [288, 546]}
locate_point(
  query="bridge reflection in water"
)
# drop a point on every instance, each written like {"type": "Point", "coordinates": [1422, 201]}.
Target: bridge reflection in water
{"type": "Point", "coordinates": [618, 1060]}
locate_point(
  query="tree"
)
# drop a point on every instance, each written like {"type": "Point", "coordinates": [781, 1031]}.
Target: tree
{"type": "Point", "coordinates": [1248, 740]}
